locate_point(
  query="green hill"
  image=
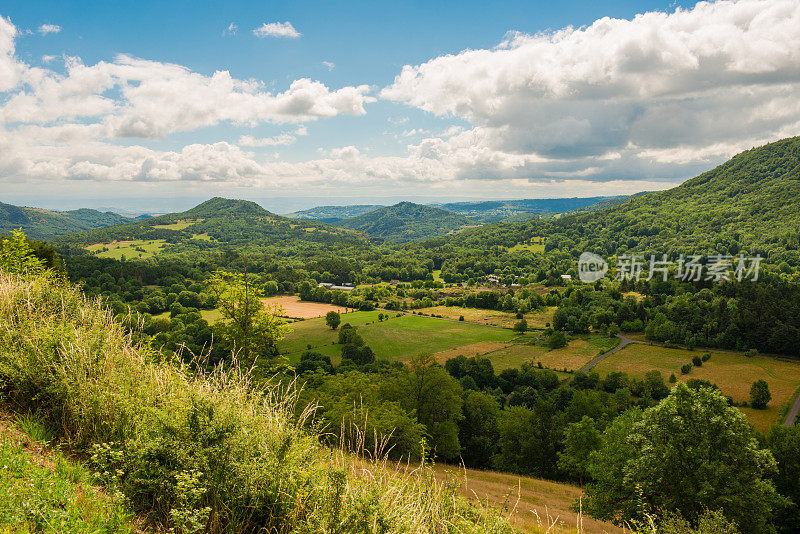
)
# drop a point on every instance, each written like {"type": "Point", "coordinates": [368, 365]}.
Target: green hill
{"type": "Point", "coordinates": [750, 203]}
{"type": "Point", "coordinates": [45, 224]}
{"type": "Point", "coordinates": [214, 223]}
{"type": "Point", "coordinates": [407, 222]}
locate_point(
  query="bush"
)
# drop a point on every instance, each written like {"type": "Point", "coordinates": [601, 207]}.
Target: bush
{"type": "Point", "coordinates": [686, 369]}
{"type": "Point", "coordinates": [697, 361]}
{"type": "Point", "coordinates": [198, 449]}
{"type": "Point", "coordinates": [760, 395]}
{"type": "Point", "coordinates": [706, 356]}
{"type": "Point", "coordinates": [672, 378]}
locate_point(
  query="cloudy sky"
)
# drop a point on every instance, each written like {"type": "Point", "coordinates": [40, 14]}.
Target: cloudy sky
{"type": "Point", "coordinates": [373, 99]}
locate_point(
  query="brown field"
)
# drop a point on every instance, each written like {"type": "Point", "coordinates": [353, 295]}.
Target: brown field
{"type": "Point", "coordinates": [294, 308]}
{"type": "Point", "coordinates": [530, 502]}
{"type": "Point", "coordinates": [734, 373]}
{"type": "Point", "coordinates": [491, 317]}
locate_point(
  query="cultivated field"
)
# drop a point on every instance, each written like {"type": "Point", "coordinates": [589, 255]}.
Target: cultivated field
{"type": "Point", "coordinates": [398, 338]}
{"type": "Point", "coordinates": [492, 317]}
{"type": "Point", "coordinates": [295, 308]}
{"type": "Point", "coordinates": [179, 225]}
{"type": "Point", "coordinates": [733, 373]}
{"type": "Point", "coordinates": [530, 501]}
{"type": "Point", "coordinates": [117, 249]}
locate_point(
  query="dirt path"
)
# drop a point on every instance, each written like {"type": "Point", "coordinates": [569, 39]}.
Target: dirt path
{"type": "Point", "coordinates": [624, 342]}
{"type": "Point", "coordinates": [791, 417]}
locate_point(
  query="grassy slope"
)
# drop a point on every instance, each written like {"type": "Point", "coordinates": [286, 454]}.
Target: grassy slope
{"type": "Point", "coordinates": [42, 490]}
{"type": "Point", "coordinates": [533, 504]}
{"type": "Point", "coordinates": [733, 373]}
{"type": "Point", "coordinates": [240, 447]}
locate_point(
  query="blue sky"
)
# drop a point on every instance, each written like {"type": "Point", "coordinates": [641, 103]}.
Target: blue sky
{"type": "Point", "coordinates": [585, 98]}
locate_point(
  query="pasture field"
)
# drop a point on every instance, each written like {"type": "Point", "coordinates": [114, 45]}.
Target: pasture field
{"type": "Point", "coordinates": [116, 249]}
{"type": "Point", "coordinates": [492, 317]}
{"type": "Point", "coordinates": [398, 338]}
{"type": "Point", "coordinates": [294, 308]}
{"type": "Point", "coordinates": [734, 373]}
{"type": "Point", "coordinates": [575, 355]}
{"type": "Point", "coordinates": [538, 500]}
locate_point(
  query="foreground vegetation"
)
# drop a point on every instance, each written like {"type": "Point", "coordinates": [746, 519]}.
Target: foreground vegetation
{"type": "Point", "coordinates": [208, 453]}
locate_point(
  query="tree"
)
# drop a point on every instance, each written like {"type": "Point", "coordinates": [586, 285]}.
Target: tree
{"type": "Point", "coordinates": [759, 394]}
{"type": "Point", "coordinates": [691, 452]}
{"type": "Point", "coordinates": [435, 397]}
{"type": "Point", "coordinates": [252, 329]}
{"type": "Point", "coordinates": [557, 340]}
{"type": "Point", "coordinates": [521, 326]}
{"type": "Point", "coordinates": [784, 443]}
{"type": "Point", "coordinates": [271, 288]}
{"type": "Point", "coordinates": [478, 429]}
{"type": "Point", "coordinates": [580, 440]}
{"type": "Point", "coordinates": [17, 256]}
{"type": "Point", "coordinates": [333, 319]}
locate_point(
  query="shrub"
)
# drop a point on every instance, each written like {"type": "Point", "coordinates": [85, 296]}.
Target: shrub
{"type": "Point", "coordinates": [706, 356]}
{"type": "Point", "coordinates": [697, 361]}
{"type": "Point", "coordinates": [686, 369]}
{"type": "Point", "coordinates": [672, 378]}
{"type": "Point", "coordinates": [460, 317]}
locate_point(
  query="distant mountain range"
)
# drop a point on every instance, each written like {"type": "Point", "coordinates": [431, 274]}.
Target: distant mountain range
{"type": "Point", "coordinates": [407, 222]}
{"type": "Point", "coordinates": [480, 211]}
{"type": "Point", "coordinates": [45, 224]}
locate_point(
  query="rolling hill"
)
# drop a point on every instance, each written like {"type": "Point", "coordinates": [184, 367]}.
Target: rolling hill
{"type": "Point", "coordinates": [749, 204]}
{"type": "Point", "coordinates": [214, 223]}
{"type": "Point", "coordinates": [498, 210]}
{"type": "Point", "coordinates": [407, 222]}
{"type": "Point", "coordinates": [46, 224]}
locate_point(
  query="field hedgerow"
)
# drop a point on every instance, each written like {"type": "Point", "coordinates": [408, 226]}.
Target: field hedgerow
{"type": "Point", "coordinates": [199, 452]}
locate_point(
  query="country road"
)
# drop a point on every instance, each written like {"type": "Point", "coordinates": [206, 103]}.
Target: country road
{"type": "Point", "coordinates": [791, 417]}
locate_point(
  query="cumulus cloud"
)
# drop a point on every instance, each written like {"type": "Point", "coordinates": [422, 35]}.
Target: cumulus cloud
{"type": "Point", "coordinates": [277, 29]}
{"type": "Point", "coordinates": [618, 106]}
{"type": "Point", "coordinates": [44, 29]}
{"type": "Point", "coordinates": [719, 74]}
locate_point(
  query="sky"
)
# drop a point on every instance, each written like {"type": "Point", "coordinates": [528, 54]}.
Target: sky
{"type": "Point", "coordinates": [116, 103]}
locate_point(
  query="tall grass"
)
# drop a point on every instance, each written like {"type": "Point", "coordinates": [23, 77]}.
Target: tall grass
{"type": "Point", "coordinates": [199, 453]}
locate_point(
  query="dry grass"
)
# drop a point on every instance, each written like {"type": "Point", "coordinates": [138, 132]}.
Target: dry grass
{"type": "Point", "coordinates": [295, 308]}
{"type": "Point", "coordinates": [482, 348]}
{"type": "Point", "coordinates": [733, 373]}
{"type": "Point", "coordinates": [533, 505]}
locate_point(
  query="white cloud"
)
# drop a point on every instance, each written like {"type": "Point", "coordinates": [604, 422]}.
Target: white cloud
{"type": "Point", "coordinates": [44, 29]}
{"type": "Point", "coordinates": [231, 29]}
{"type": "Point", "coordinates": [277, 29]}
{"type": "Point", "coordinates": [722, 73]}
{"type": "Point", "coordinates": [48, 58]}
{"type": "Point", "coordinates": [328, 65]}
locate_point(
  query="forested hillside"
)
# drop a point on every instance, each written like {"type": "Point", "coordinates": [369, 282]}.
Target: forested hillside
{"type": "Point", "coordinates": [407, 222]}
{"type": "Point", "coordinates": [45, 224]}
